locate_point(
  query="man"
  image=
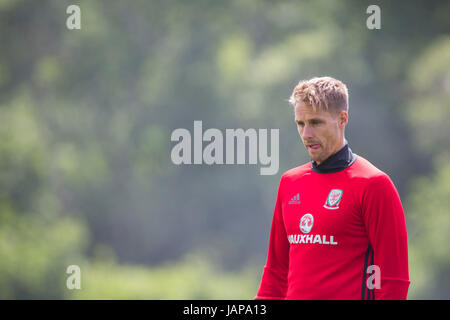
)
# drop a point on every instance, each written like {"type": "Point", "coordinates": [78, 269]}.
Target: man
{"type": "Point", "coordinates": [338, 230]}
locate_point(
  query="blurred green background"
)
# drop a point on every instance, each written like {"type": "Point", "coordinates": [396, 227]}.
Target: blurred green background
{"type": "Point", "coordinates": [86, 117]}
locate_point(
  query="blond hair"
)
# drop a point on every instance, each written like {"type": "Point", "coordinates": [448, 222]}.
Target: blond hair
{"type": "Point", "coordinates": [325, 93]}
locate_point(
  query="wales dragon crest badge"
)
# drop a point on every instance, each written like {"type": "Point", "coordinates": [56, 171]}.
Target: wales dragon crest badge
{"type": "Point", "coordinates": [333, 199]}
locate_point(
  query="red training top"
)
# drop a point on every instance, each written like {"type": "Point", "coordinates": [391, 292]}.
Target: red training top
{"type": "Point", "coordinates": [338, 235]}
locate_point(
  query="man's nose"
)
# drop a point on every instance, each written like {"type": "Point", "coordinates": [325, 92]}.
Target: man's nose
{"type": "Point", "coordinates": [307, 133]}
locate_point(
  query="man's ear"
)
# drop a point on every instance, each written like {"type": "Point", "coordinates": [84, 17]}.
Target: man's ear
{"type": "Point", "coordinates": [343, 118]}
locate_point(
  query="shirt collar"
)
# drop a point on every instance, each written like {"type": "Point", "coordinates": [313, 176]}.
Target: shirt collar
{"type": "Point", "coordinates": [336, 162]}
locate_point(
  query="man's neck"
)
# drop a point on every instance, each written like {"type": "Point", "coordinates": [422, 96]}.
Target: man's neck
{"type": "Point", "coordinates": [336, 150]}
{"type": "Point", "coordinates": [338, 161]}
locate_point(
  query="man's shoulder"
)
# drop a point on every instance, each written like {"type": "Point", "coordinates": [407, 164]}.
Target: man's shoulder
{"type": "Point", "coordinates": [372, 181]}
{"type": "Point", "coordinates": [363, 169]}
{"type": "Point", "coordinates": [296, 172]}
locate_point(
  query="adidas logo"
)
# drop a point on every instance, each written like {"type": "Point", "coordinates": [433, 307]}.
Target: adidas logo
{"type": "Point", "coordinates": [295, 199]}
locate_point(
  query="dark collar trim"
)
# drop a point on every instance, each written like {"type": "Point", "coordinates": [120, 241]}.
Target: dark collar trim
{"type": "Point", "coordinates": [339, 161]}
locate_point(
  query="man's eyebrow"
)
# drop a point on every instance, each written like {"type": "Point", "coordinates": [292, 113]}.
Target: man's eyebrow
{"type": "Point", "coordinates": [309, 120]}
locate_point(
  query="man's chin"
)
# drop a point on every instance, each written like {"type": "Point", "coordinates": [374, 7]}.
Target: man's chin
{"type": "Point", "coordinates": [315, 158]}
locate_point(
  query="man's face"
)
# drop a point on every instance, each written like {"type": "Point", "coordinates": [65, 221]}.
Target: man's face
{"type": "Point", "coordinates": [322, 133]}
